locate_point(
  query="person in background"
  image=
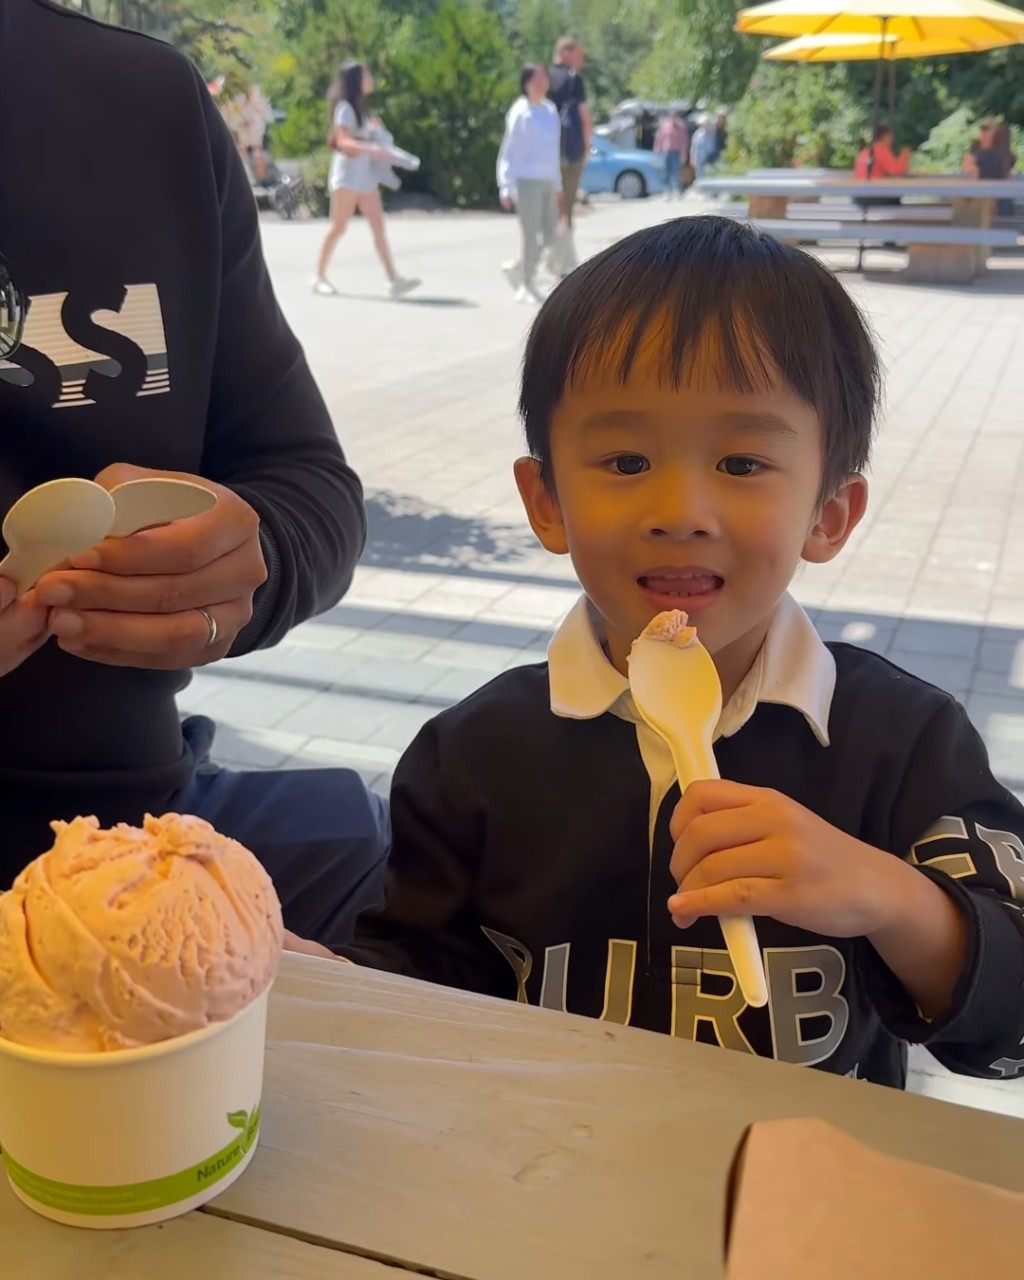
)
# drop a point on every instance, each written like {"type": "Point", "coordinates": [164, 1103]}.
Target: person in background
{"type": "Point", "coordinates": [181, 364]}
{"type": "Point", "coordinates": [673, 142]}
{"type": "Point", "coordinates": [530, 177]}
{"type": "Point", "coordinates": [702, 146]}
{"type": "Point", "coordinates": [256, 114]}
{"type": "Point", "coordinates": [878, 160]}
{"type": "Point", "coordinates": [569, 95]}
{"type": "Point", "coordinates": [721, 133]}
{"type": "Point", "coordinates": [353, 178]}
{"type": "Point", "coordinates": [1002, 144]}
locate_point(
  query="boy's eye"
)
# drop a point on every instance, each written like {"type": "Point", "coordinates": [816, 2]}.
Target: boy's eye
{"type": "Point", "coordinates": [740, 466]}
{"type": "Point", "coordinates": [630, 464]}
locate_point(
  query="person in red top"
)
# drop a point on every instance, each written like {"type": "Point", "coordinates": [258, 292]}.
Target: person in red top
{"type": "Point", "coordinates": [878, 160]}
{"type": "Point", "coordinates": [673, 141]}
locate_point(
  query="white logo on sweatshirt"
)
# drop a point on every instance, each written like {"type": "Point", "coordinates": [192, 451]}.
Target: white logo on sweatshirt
{"type": "Point", "coordinates": [69, 351]}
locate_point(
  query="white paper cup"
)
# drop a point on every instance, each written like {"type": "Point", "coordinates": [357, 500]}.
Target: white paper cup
{"type": "Point", "coordinates": [134, 1136]}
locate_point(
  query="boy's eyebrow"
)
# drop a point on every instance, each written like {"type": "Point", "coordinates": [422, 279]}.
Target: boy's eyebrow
{"type": "Point", "coordinates": [615, 418]}
{"type": "Point", "coordinates": [765, 423]}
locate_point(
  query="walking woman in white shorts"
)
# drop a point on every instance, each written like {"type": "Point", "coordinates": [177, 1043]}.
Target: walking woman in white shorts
{"type": "Point", "coordinates": [353, 177]}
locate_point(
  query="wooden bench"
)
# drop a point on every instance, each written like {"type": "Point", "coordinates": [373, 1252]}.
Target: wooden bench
{"type": "Point", "coordinates": [936, 253]}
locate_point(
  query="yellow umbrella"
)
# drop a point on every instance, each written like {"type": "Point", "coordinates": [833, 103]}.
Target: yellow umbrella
{"type": "Point", "coordinates": [984, 24]}
{"type": "Point", "coordinates": [842, 47]}
{"type": "Point", "coordinates": [845, 47]}
{"type": "Point", "coordinates": [984, 21]}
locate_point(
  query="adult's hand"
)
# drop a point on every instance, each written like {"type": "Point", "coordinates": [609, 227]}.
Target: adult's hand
{"type": "Point", "coordinates": [23, 627]}
{"type": "Point", "coordinates": [507, 203]}
{"type": "Point", "coordinates": [136, 601]}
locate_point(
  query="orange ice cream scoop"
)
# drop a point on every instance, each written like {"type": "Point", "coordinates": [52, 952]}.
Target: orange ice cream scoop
{"type": "Point", "coordinates": [121, 938]}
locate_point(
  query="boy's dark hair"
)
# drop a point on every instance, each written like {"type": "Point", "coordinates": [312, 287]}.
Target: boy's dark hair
{"type": "Point", "coordinates": [880, 131]}
{"type": "Point", "coordinates": [529, 70]}
{"type": "Point", "coordinates": [771, 310]}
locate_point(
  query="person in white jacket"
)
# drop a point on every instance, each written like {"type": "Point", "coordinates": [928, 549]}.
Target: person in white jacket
{"type": "Point", "coordinates": [530, 175]}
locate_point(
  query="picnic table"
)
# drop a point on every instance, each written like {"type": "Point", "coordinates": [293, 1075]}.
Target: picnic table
{"type": "Point", "coordinates": [955, 252]}
{"type": "Point", "coordinates": [409, 1127]}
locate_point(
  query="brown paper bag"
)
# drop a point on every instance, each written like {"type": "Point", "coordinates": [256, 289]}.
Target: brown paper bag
{"type": "Point", "coordinates": [808, 1202]}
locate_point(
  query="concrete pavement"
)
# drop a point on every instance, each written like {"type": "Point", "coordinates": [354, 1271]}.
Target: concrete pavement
{"type": "Point", "coordinates": [453, 588]}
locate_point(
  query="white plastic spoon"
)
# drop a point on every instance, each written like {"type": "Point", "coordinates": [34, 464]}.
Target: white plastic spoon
{"type": "Point", "coordinates": [154, 500]}
{"type": "Point", "coordinates": [677, 691]}
{"type": "Point", "coordinates": [63, 518]}
{"type": "Point", "coordinates": [51, 523]}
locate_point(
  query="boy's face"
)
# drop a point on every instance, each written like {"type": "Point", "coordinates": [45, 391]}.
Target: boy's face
{"type": "Point", "coordinates": [697, 499]}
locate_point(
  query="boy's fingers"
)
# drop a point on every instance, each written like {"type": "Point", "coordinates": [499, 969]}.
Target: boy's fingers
{"type": "Point", "coordinates": [709, 796]}
{"type": "Point", "coordinates": [750, 897]}
{"type": "Point", "coordinates": [711, 834]}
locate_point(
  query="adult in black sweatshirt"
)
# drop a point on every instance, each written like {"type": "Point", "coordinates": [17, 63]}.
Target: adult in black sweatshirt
{"type": "Point", "coordinates": [153, 341]}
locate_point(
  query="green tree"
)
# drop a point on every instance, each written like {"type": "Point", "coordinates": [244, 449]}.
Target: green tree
{"type": "Point", "coordinates": [450, 80]}
{"type": "Point", "coordinates": [217, 35]}
{"type": "Point", "coordinates": [797, 116]}
{"type": "Point", "coordinates": [696, 54]}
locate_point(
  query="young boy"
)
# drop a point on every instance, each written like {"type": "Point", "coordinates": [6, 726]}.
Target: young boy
{"type": "Point", "coordinates": [698, 403]}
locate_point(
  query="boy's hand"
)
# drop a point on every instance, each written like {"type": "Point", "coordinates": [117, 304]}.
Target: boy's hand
{"type": "Point", "coordinates": [743, 850]}
{"type": "Point", "coordinates": [292, 942]}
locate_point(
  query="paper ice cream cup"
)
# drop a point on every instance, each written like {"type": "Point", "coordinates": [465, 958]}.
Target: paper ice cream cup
{"type": "Point", "coordinates": [135, 1136]}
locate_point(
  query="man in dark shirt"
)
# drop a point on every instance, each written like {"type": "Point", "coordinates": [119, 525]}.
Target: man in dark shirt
{"type": "Point", "coordinates": [154, 345]}
{"type": "Point", "coordinates": [569, 95]}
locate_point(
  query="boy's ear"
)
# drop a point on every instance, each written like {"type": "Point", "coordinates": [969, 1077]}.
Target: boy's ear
{"type": "Point", "coordinates": [837, 519]}
{"type": "Point", "coordinates": [541, 505]}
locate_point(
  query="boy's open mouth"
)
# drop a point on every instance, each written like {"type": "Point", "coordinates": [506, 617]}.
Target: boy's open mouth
{"type": "Point", "coordinates": [681, 588]}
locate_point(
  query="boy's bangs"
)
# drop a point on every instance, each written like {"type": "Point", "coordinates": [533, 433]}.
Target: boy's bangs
{"type": "Point", "coordinates": [676, 345]}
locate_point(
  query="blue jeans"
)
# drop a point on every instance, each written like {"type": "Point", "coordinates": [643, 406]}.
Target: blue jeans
{"type": "Point", "coordinates": [321, 835]}
{"type": "Point", "coordinates": [673, 168]}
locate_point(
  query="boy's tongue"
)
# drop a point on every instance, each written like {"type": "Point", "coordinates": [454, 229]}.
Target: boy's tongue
{"type": "Point", "coordinates": [685, 586]}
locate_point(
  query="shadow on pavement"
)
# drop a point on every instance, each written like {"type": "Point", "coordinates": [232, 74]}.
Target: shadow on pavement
{"type": "Point", "coordinates": [407, 533]}
{"type": "Point", "coordinates": [409, 300]}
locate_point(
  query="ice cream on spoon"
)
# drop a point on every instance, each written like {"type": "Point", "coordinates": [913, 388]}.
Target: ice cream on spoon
{"type": "Point", "coordinates": [676, 690]}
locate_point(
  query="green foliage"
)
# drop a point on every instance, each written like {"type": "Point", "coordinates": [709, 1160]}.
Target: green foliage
{"type": "Point", "coordinates": [450, 81]}
{"type": "Point", "coordinates": [696, 54]}
{"type": "Point", "coordinates": [797, 116]}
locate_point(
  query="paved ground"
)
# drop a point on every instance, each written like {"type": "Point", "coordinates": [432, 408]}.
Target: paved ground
{"type": "Point", "coordinates": [453, 589]}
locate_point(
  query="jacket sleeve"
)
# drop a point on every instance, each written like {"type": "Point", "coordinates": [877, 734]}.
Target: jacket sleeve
{"type": "Point", "coordinates": [508, 154]}
{"type": "Point", "coordinates": [972, 848]}
{"type": "Point", "coordinates": [269, 435]}
{"type": "Point", "coordinates": [428, 927]}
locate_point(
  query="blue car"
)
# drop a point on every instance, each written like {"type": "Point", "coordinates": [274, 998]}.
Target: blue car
{"type": "Point", "coordinates": [630, 174]}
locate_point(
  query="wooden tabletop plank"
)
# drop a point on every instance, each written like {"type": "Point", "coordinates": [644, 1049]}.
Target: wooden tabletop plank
{"type": "Point", "coordinates": [495, 1141]}
{"type": "Point", "coordinates": [195, 1246]}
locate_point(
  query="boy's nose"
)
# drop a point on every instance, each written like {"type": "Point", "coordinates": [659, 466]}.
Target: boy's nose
{"type": "Point", "coordinates": [682, 510]}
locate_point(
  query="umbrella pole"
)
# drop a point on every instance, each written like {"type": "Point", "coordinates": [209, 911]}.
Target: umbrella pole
{"type": "Point", "coordinates": [892, 92]}
{"type": "Point", "coordinates": [876, 104]}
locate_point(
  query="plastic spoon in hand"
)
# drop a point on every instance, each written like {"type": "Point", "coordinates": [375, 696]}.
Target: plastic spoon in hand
{"type": "Point", "coordinates": [51, 523]}
{"type": "Point", "coordinates": [677, 691]}
{"type": "Point", "coordinates": [62, 518]}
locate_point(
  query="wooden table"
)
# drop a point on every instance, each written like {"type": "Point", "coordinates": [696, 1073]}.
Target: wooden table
{"type": "Point", "coordinates": [768, 197]}
{"type": "Point", "coordinates": [482, 1140]}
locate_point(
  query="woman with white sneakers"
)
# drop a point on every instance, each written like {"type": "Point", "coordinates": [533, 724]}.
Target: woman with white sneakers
{"type": "Point", "coordinates": [530, 175]}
